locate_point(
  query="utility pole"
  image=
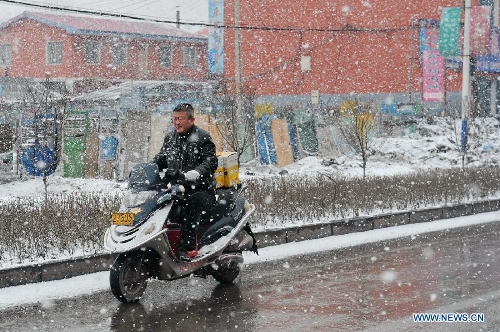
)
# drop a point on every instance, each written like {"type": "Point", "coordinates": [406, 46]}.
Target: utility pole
{"type": "Point", "coordinates": [465, 81]}
{"type": "Point", "coordinates": [410, 70]}
{"type": "Point", "coordinates": [466, 63]}
{"type": "Point", "coordinates": [237, 55]}
{"type": "Point", "coordinates": [494, 83]}
{"type": "Point", "coordinates": [178, 17]}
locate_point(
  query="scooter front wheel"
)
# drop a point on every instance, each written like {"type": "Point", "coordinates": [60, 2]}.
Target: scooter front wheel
{"type": "Point", "coordinates": [128, 277]}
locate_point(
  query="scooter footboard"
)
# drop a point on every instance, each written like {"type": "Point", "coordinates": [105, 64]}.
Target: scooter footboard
{"type": "Point", "coordinates": [217, 230]}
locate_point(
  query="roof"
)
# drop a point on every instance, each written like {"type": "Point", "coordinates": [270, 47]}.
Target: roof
{"type": "Point", "coordinates": [124, 89]}
{"type": "Point", "coordinates": [203, 32]}
{"type": "Point", "coordinates": [15, 88]}
{"type": "Point", "coordinates": [94, 25]}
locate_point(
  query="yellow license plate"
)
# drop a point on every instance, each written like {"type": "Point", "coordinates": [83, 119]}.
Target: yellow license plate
{"type": "Point", "coordinates": [122, 218]}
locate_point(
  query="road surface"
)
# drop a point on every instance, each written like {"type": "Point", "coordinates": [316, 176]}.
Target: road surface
{"type": "Point", "coordinates": [375, 287]}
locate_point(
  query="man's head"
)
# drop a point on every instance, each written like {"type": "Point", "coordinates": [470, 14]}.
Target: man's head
{"type": "Point", "coordinates": [183, 117]}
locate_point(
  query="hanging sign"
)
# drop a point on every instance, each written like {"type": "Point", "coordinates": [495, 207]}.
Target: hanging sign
{"type": "Point", "coordinates": [216, 51]}
{"type": "Point", "coordinates": [490, 63]}
{"type": "Point", "coordinates": [432, 77]}
{"type": "Point", "coordinates": [480, 30]}
{"type": "Point", "coordinates": [428, 35]}
{"type": "Point", "coordinates": [448, 31]}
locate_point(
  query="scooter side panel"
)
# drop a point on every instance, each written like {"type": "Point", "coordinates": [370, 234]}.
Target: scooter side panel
{"type": "Point", "coordinates": [172, 269]}
{"type": "Point", "coordinates": [216, 248]}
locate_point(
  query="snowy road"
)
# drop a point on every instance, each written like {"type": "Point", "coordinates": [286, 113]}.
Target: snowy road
{"type": "Point", "coordinates": [373, 286]}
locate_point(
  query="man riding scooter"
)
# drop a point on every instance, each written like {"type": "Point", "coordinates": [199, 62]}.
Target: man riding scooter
{"type": "Point", "coordinates": [188, 157]}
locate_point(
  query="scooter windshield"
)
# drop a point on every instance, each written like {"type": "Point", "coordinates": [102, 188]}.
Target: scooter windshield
{"type": "Point", "coordinates": [133, 199]}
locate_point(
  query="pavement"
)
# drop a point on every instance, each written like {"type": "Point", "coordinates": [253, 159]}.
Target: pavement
{"type": "Point", "coordinates": [56, 270]}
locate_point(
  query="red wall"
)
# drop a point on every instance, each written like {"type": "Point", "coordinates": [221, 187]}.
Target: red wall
{"type": "Point", "coordinates": [29, 37]}
{"type": "Point", "coordinates": [375, 60]}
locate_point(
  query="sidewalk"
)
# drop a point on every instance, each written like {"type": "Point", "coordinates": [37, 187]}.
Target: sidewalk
{"type": "Point", "coordinates": [85, 265]}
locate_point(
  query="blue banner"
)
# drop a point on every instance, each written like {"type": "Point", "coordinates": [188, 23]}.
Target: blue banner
{"type": "Point", "coordinates": [38, 160]}
{"type": "Point", "coordinates": [216, 36]}
{"type": "Point", "coordinates": [428, 35]}
{"type": "Point", "coordinates": [487, 64]}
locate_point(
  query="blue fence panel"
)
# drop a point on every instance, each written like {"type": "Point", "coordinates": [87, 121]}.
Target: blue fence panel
{"type": "Point", "coordinates": [265, 143]}
{"type": "Point", "coordinates": [109, 146]}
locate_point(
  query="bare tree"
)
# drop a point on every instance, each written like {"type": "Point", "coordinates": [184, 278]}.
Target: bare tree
{"type": "Point", "coordinates": [47, 101]}
{"type": "Point", "coordinates": [356, 127]}
{"type": "Point", "coordinates": [464, 134]}
{"type": "Point", "coordinates": [236, 129]}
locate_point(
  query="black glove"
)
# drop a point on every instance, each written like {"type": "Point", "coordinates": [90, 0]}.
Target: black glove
{"type": "Point", "coordinates": [171, 175]}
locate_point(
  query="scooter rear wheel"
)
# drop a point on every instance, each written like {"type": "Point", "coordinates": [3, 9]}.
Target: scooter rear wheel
{"type": "Point", "coordinates": [128, 277]}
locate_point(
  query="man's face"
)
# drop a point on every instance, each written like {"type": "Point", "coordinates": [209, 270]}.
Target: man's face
{"type": "Point", "coordinates": [182, 122]}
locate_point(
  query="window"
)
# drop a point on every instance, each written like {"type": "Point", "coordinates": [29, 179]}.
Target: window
{"type": "Point", "coordinates": [54, 53]}
{"type": "Point", "coordinates": [119, 54]}
{"type": "Point", "coordinates": [92, 52]}
{"type": "Point", "coordinates": [165, 56]}
{"type": "Point", "coordinates": [5, 54]}
{"type": "Point", "coordinates": [189, 57]}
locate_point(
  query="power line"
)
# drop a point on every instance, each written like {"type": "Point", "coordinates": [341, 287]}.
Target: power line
{"type": "Point", "coordinates": [193, 23]}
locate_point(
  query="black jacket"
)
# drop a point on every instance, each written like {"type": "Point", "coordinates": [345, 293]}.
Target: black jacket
{"type": "Point", "coordinates": [194, 150]}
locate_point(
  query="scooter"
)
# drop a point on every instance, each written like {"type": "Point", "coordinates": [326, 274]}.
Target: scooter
{"type": "Point", "coordinates": [144, 235]}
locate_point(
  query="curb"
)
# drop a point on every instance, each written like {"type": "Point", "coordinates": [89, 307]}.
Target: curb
{"type": "Point", "coordinates": [57, 270]}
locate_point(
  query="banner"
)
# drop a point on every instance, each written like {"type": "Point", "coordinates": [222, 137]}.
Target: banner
{"type": "Point", "coordinates": [495, 41]}
{"type": "Point", "coordinates": [448, 32]}
{"type": "Point", "coordinates": [480, 30]}
{"type": "Point", "coordinates": [490, 63]}
{"type": "Point", "coordinates": [432, 77]}
{"type": "Point", "coordinates": [216, 37]}
{"type": "Point", "coordinates": [428, 35]}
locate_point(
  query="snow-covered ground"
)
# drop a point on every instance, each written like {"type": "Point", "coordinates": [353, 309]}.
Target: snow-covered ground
{"type": "Point", "coordinates": [46, 292]}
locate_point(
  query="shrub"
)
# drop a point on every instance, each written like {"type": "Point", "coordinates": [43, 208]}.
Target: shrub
{"type": "Point", "coordinates": [74, 224]}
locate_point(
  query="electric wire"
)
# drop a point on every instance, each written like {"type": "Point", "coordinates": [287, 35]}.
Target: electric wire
{"type": "Point", "coordinates": [224, 26]}
{"type": "Point", "coordinates": [240, 27]}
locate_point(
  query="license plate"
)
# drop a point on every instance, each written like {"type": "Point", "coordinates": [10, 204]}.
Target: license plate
{"type": "Point", "coordinates": [122, 218]}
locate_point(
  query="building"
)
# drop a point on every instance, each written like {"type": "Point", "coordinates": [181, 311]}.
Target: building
{"type": "Point", "coordinates": [291, 52]}
{"type": "Point", "coordinates": [88, 52]}
{"type": "Point", "coordinates": [316, 63]}
{"type": "Point", "coordinates": [118, 72]}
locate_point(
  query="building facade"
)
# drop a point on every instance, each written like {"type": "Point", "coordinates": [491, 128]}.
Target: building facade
{"type": "Point", "coordinates": [81, 50]}
{"type": "Point", "coordinates": [289, 51]}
